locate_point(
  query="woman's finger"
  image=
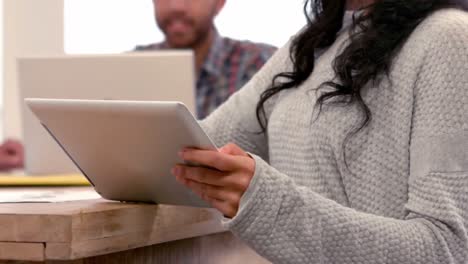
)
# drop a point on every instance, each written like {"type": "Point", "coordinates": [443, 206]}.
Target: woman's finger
{"type": "Point", "coordinates": [206, 190]}
{"type": "Point", "coordinates": [202, 175]}
{"type": "Point", "coordinates": [233, 149]}
{"type": "Point", "coordinates": [210, 158]}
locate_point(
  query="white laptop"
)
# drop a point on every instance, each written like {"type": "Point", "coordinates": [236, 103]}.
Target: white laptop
{"type": "Point", "coordinates": [155, 76]}
{"type": "Point", "coordinates": [126, 149]}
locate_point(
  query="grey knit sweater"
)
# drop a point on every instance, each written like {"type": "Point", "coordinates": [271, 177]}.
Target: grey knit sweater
{"type": "Point", "coordinates": [403, 198]}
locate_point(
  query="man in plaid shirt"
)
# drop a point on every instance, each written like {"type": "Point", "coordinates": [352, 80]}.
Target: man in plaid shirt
{"type": "Point", "coordinates": [223, 65]}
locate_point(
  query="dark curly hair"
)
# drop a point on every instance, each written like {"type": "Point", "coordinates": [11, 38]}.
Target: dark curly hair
{"type": "Point", "coordinates": [382, 28]}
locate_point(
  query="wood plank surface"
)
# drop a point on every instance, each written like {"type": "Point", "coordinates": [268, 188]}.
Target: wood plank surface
{"type": "Point", "coordinates": [159, 233]}
{"type": "Point", "coordinates": [22, 251]}
{"type": "Point", "coordinates": [82, 229]}
{"type": "Point", "coordinates": [210, 249]}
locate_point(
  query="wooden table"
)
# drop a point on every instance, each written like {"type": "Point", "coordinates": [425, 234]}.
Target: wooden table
{"type": "Point", "coordinates": [101, 231]}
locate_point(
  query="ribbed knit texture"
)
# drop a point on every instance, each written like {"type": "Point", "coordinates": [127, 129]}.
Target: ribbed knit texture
{"type": "Point", "coordinates": [403, 198]}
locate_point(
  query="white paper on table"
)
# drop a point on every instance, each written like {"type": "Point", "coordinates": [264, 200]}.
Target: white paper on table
{"type": "Point", "coordinates": [46, 195]}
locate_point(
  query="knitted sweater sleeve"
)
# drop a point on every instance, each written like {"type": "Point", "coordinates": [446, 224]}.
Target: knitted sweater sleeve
{"type": "Point", "coordinates": [235, 120]}
{"type": "Point", "coordinates": [287, 223]}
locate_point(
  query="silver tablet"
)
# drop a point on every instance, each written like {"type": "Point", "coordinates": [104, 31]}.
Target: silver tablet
{"type": "Point", "coordinates": [125, 148]}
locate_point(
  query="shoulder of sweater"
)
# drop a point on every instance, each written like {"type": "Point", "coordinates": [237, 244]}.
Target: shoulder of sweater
{"type": "Point", "coordinates": [446, 24]}
{"type": "Point", "coordinates": [442, 42]}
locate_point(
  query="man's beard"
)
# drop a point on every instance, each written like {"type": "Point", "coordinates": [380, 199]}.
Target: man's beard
{"type": "Point", "coordinates": [197, 34]}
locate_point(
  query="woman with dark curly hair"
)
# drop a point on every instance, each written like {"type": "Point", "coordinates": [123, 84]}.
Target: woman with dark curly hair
{"type": "Point", "coordinates": [357, 138]}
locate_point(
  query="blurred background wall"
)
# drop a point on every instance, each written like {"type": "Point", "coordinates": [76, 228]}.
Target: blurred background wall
{"type": "Point", "coordinates": [30, 27]}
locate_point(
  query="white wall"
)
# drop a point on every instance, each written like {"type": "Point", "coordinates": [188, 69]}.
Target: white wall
{"type": "Point", "coordinates": [30, 27]}
{"type": "Point", "coordinates": [111, 26]}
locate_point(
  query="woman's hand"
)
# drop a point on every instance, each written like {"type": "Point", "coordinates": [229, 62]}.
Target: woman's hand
{"type": "Point", "coordinates": [223, 179]}
{"type": "Point", "coordinates": [11, 155]}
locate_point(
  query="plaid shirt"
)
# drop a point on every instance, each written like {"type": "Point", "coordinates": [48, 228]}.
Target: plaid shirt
{"type": "Point", "coordinates": [229, 65]}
